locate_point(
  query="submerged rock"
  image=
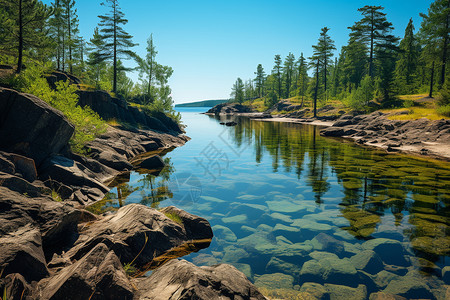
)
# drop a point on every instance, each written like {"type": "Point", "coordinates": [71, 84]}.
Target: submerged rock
{"type": "Point", "coordinates": [345, 292]}
{"type": "Point", "coordinates": [390, 251]}
{"type": "Point", "coordinates": [179, 279]}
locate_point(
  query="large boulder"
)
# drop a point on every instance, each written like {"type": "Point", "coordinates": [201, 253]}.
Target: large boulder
{"type": "Point", "coordinates": [98, 275]}
{"type": "Point", "coordinates": [139, 233]}
{"type": "Point", "coordinates": [57, 223]}
{"type": "Point", "coordinates": [70, 173]}
{"type": "Point", "coordinates": [22, 253]}
{"type": "Point", "coordinates": [183, 280]}
{"type": "Point", "coordinates": [31, 127]}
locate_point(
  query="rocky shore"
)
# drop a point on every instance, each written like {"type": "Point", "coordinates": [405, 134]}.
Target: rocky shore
{"type": "Point", "coordinates": [52, 248]}
{"type": "Point", "coordinates": [423, 137]}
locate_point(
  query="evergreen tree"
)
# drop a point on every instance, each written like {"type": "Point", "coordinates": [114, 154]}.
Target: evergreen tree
{"type": "Point", "coordinates": [237, 93]}
{"type": "Point", "coordinates": [56, 24]}
{"type": "Point", "coordinates": [70, 18]}
{"type": "Point", "coordinates": [148, 66]}
{"type": "Point", "coordinates": [373, 30]}
{"type": "Point", "coordinates": [95, 62]}
{"type": "Point", "coordinates": [27, 28]}
{"type": "Point", "coordinates": [435, 32]}
{"type": "Point", "coordinates": [117, 41]}
{"type": "Point", "coordinates": [277, 74]}
{"type": "Point", "coordinates": [324, 49]}
{"type": "Point", "coordinates": [302, 80]}
{"type": "Point", "coordinates": [354, 61]}
{"type": "Point", "coordinates": [407, 61]}
{"type": "Point", "coordinates": [259, 80]}
{"type": "Point", "coordinates": [288, 72]}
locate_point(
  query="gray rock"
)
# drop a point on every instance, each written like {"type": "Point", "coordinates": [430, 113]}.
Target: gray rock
{"type": "Point", "coordinates": [98, 275]}
{"type": "Point", "coordinates": [30, 127]}
{"type": "Point", "coordinates": [126, 232]}
{"type": "Point", "coordinates": [56, 221]}
{"type": "Point", "coordinates": [183, 280]}
{"type": "Point", "coordinates": [153, 162]}
{"type": "Point", "coordinates": [16, 287]}
{"type": "Point", "coordinates": [70, 173]}
{"type": "Point", "coordinates": [22, 253]}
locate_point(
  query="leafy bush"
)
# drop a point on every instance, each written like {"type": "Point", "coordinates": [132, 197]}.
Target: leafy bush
{"type": "Point", "coordinates": [444, 110]}
{"type": "Point", "coordinates": [87, 123]}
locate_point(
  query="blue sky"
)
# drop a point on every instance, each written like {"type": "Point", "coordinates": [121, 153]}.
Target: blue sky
{"type": "Point", "coordinates": [211, 43]}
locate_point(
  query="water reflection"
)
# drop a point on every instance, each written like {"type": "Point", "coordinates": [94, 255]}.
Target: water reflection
{"type": "Point", "coordinates": [301, 205]}
{"type": "Point", "coordinates": [373, 183]}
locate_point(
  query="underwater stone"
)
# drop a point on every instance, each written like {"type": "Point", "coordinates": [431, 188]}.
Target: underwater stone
{"type": "Point", "coordinates": [383, 278]}
{"type": "Point", "coordinates": [316, 290]}
{"type": "Point", "coordinates": [281, 217]}
{"type": "Point", "coordinates": [235, 219]}
{"type": "Point", "coordinates": [311, 271]}
{"type": "Point", "coordinates": [410, 286]}
{"type": "Point", "coordinates": [446, 274]}
{"type": "Point", "coordinates": [234, 254]}
{"type": "Point", "coordinates": [284, 205]}
{"type": "Point", "coordinates": [224, 233]}
{"type": "Point", "coordinates": [390, 251]}
{"type": "Point", "coordinates": [368, 261]}
{"type": "Point", "coordinates": [327, 243]}
{"type": "Point", "coordinates": [275, 281]}
{"type": "Point", "coordinates": [344, 292]}
{"type": "Point", "coordinates": [276, 265]}
{"type": "Point", "coordinates": [244, 268]}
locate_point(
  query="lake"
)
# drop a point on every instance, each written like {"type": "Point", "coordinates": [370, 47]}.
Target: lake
{"type": "Point", "coordinates": [292, 209]}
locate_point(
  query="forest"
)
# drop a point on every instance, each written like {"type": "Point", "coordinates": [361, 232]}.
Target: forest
{"type": "Point", "coordinates": [371, 70]}
{"type": "Point", "coordinates": [47, 37]}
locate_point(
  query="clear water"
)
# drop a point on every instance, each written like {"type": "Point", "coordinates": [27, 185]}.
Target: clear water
{"type": "Point", "coordinates": [288, 206]}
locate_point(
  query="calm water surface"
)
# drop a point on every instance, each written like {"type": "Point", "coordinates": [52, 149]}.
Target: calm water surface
{"type": "Point", "coordinates": [288, 206]}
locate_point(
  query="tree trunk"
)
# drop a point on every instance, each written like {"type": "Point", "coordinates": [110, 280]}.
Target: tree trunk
{"type": "Point", "coordinates": [20, 49]}
{"type": "Point", "coordinates": [115, 50]}
{"type": "Point", "coordinates": [444, 50]}
{"type": "Point", "coordinates": [70, 37]}
{"type": "Point", "coordinates": [316, 90]}
{"type": "Point", "coordinates": [431, 81]}
{"type": "Point", "coordinates": [371, 47]}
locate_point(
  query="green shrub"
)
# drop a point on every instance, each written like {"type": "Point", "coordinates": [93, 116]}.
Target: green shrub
{"type": "Point", "coordinates": [87, 123]}
{"type": "Point", "coordinates": [444, 110]}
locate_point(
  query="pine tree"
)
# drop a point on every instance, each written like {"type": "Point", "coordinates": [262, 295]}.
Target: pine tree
{"type": "Point", "coordinates": [237, 92]}
{"type": "Point", "coordinates": [435, 32]}
{"type": "Point", "coordinates": [117, 41]}
{"type": "Point", "coordinates": [288, 72]}
{"type": "Point", "coordinates": [27, 29]}
{"type": "Point", "coordinates": [354, 61]}
{"type": "Point", "coordinates": [259, 80]}
{"type": "Point", "coordinates": [95, 61]}
{"type": "Point", "coordinates": [324, 49]}
{"type": "Point", "coordinates": [277, 74]}
{"type": "Point", "coordinates": [302, 80]}
{"type": "Point", "coordinates": [148, 66]}
{"type": "Point", "coordinates": [373, 30]}
{"type": "Point", "coordinates": [407, 61]}
{"type": "Point", "coordinates": [70, 18]}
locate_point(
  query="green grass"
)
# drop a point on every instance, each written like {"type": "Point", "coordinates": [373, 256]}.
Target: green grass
{"type": "Point", "coordinates": [174, 217]}
{"type": "Point", "coordinates": [55, 196]}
